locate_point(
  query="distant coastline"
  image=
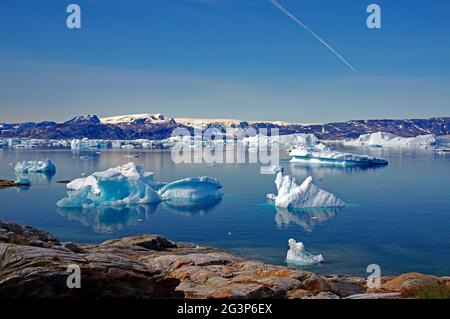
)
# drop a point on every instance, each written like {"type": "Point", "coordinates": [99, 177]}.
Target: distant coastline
{"type": "Point", "coordinates": [157, 127]}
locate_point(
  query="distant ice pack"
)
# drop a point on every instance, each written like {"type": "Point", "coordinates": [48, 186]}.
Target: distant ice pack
{"type": "Point", "coordinates": [306, 195]}
{"type": "Point", "coordinates": [129, 184]}
{"type": "Point", "coordinates": [44, 166]}
{"type": "Point", "coordinates": [299, 256]}
{"type": "Point", "coordinates": [384, 139]}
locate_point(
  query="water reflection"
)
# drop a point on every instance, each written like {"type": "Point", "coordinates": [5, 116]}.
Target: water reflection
{"type": "Point", "coordinates": [37, 177]}
{"type": "Point", "coordinates": [302, 169]}
{"type": "Point", "coordinates": [305, 218]}
{"type": "Point", "coordinates": [186, 208]}
{"type": "Point", "coordinates": [109, 219]}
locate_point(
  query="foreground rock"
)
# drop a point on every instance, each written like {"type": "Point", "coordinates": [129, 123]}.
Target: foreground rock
{"type": "Point", "coordinates": [34, 264]}
{"type": "Point", "coordinates": [5, 183]}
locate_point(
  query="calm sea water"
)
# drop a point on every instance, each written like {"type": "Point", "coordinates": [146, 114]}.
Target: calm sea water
{"type": "Point", "coordinates": [397, 216]}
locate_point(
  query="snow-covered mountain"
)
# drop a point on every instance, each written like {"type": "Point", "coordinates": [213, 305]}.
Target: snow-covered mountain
{"type": "Point", "coordinates": [157, 126]}
{"type": "Point", "coordinates": [145, 118]}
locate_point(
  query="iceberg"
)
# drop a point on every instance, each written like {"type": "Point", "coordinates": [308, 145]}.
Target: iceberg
{"type": "Point", "coordinates": [282, 141]}
{"type": "Point", "coordinates": [44, 166]}
{"type": "Point", "coordinates": [299, 256]}
{"type": "Point", "coordinates": [129, 185]}
{"type": "Point", "coordinates": [193, 189]}
{"type": "Point", "coordinates": [85, 143]}
{"type": "Point", "coordinates": [118, 186]}
{"type": "Point", "coordinates": [306, 195]}
{"type": "Point", "coordinates": [384, 139]}
{"type": "Point", "coordinates": [320, 154]}
{"type": "Point", "coordinates": [23, 180]}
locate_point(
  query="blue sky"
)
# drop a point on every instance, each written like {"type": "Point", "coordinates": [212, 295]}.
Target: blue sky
{"type": "Point", "coordinates": [224, 59]}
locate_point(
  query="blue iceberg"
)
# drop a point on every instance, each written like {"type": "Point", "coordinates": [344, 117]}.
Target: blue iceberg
{"type": "Point", "coordinates": [129, 185]}
{"type": "Point", "coordinates": [193, 189]}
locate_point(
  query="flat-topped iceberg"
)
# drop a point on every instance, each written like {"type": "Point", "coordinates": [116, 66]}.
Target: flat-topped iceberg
{"type": "Point", "coordinates": [384, 139]}
{"type": "Point", "coordinates": [299, 256]}
{"type": "Point", "coordinates": [204, 189]}
{"type": "Point", "coordinates": [44, 166]}
{"type": "Point", "coordinates": [306, 195]}
{"type": "Point", "coordinates": [129, 184]}
{"type": "Point", "coordinates": [322, 155]}
{"type": "Point", "coordinates": [282, 141]}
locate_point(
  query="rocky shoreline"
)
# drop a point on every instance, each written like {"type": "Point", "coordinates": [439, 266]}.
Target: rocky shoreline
{"type": "Point", "coordinates": [33, 264]}
{"type": "Point", "coordinates": [6, 183]}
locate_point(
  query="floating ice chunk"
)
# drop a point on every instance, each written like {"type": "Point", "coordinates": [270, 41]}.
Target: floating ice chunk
{"type": "Point", "coordinates": [322, 155]}
{"type": "Point", "coordinates": [23, 180]}
{"type": "Point", "coordinates": [197, 189]}
{"type": "Point", "coordinates": [129, 184]}
{"type": "Point", "coordinates": [86, 143]}
{"type": "Point", "coordinates": [307, 195]}
{"type": "Point", "coordinates": [282, 141]}
{"type": "Point", "coordinates": [299, 256]}
{"type": "Point", "coordinates": [122, 185]}
{"type": "Point", "coordinates": [271, 169]}
{"type": "Point", "coordinates": [385, 139]}
{"type": "Point", "coordinates": [45, 166]}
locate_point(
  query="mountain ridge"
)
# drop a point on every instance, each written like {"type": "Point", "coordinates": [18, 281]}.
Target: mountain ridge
{"type": "Point", "coordinates": [156, 126]}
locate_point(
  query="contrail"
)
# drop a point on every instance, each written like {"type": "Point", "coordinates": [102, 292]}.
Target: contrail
{"type": "Point", "coordinates": [293, 17]}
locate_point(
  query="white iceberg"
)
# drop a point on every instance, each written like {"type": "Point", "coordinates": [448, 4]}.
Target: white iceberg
{"type": "Point", "coordinates": [85, 143]}
{"type": "Point", "coordinates": [320, 154]}
{"type": "Point", "coordinates": [195, 189]}
{"type": "Point", "coordinates": [306, 195]}
{"type": "Point", "coordinates": [44, 166]}
{"type": "Point", "coordinates": [282, 141]}
{"type": "Point", "coordinates": [299, 256]}
{"type": "Point", "coordinates": [129, 185]}
{"type": "Point", "coordinates": [384, 139]}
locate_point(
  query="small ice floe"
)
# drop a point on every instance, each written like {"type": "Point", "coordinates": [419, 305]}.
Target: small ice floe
{"type": "Point", "coordinates": [271, 169]}
{"type": "Point", "coordinates": [23, 180]}
{"type": "Point", "coordinates": [306, 195]}
{"type": "Point", "coordinates": [44, 166]}
{"type": "Point", "coordinates": [129, 184]}
{"type": "Point", "coordinates": [131, 156]}
{"type": "Point", "coordinates": [84, 157]}
{"type": "Point", "coordinates": [299, 256]}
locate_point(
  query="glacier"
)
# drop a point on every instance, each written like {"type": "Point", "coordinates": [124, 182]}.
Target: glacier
{"type": "Point", "coordinates": [384, 139]}
{"type": "Point", "coordinates": [129, 185]}
{"type": "Point", "coordinates": [320, 154]}
{"type": "Point", "coordinates": [306, 195]}
{"type": "Point", "coordinates": [299, 256]}
{"type": "Point", "coordinates": [43, 166]}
